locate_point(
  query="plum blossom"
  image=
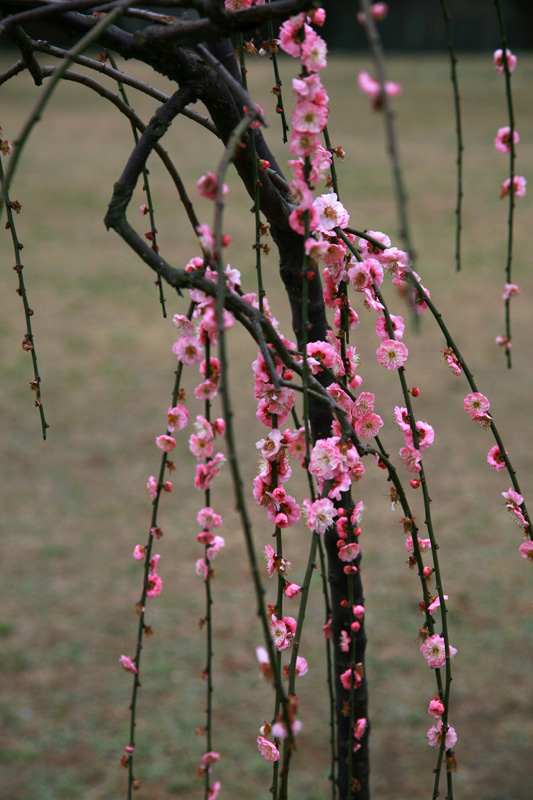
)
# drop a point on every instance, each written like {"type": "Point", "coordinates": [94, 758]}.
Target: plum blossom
{"type": "Point", "coordinates": [436, 707]}
{"type": "Point", "coordinates": [519, 187]}
{"type": "Point", "coordinates": [495, 458]}
{"type": "Point", "coordinates": [511, 290]}
{"type": "Point", "coordinates": [502, 142]}
{"type": "Point", "coordinates": [165, 443]}
{"type": "Point", "coordinates": [513, 501]}
{"type": "Point", "coordinates": [320, 514]}
{"type": "Point", "coordinates": [392, 354]}
{"type": "Point", "coordinates": [214, 791]}
{"type": "Point", "coordinates": [208, 185]}
{"type": "Point", "coordinates": [188, 350]}
{"type": "Point", "coordinates": [151, 487]}
{"type": "Point", "coordinates": [477, 406]}
{"type": "Point", "coordinates": [526, 550]}
{"type": "Point", "coordinates": [314, 50]}
{"type": "Point", "coordinates": [268, 750]}
{"type": "Point", "coordinates": [411, 458]}
{"type": "Point", "coordinates": [349, 552]}
{"type": "Point", "coordinates": [498, 60]}
{"type": "Point", "coordinates": [423, 544]}
{"type": "Point", "coordinates": [309, 117]}
{"type": "Point", "coordinates": [372, 88]}
{"type": "Point", "coordinates": [177, 418]}
{"type": "Point", "coordinates": [434, 652]}
{"type": "Point", "coordinates": [368, 426]}
{"type": "Point", "coordinates": [435, 736]}
{"type": "Point", "coordinates": [346, 679]}
{"type": "Point", "coordinates": [332, 213]}
{"type": "Point", "coordinates": [127, 664]}
{"type": "Point", "coordinates": [378, 12]}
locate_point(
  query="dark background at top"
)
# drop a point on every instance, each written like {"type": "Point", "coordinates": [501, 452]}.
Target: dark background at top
{"type": "Point", "coordinates": [419, 25]}
{"type": "Point", "coordinates": [412, 25]}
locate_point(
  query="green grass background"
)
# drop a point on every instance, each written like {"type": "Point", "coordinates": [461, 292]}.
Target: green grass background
{"type": "Point", "coordinates": [74, 507]}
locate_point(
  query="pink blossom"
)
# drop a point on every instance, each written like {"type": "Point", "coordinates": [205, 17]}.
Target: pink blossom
{"type": "Point", "coordinates": [188, 350]}
{"type": "Point", "coordinates": [423, 544]}
{"type": "Point", "coordinates": [499, 64]}
{"type": "Point", "coordinates": [165, 443]}
{"type": "Point", "coordinates": [207, 390]}
{"type": "Point", "coordinates": [309, 117]}
{"type": "Point", "coordinates": [177, 418]}
{"type": "Point", "coordinates": [154, 585]}
{"type": "Point", "coordinates": [344, 642]}
{"type": "Point", "coordinates": [436, 707]}
{"type": "Point", "coordinates": [397, 326]}
{"type": "Point", "coordinates": [526, 550]}
{"type": "Point", "coordinates": [289, 35]}
{"type": "Point", "coordinates": [257, 122]}
{"type": "Point", "coordinates": [368, 426]}
{"type": "Point", "coordinates": [128, 664]}
{"type": "Point", "coordinates": [476, 405]}
{"type": "Point", "coordinates": [349, 552]}
{"type": "Point", "coordinates": [495, 458]}
{"type": "Point", "coordinates": [310, 88]}
{"type": "Point", "coordinates": [214, 791]}
{"type": "Point", "coordinates": [502, 142]}
{"type": "Point", "coordinates": [411, 458]}
{"type": "Point", "coordinates": [363, 405]}
{"type": "Point", "coordinates": [511, 290]}
{"type": "Point", "coordinates": [372, 88]}
{"type": "Point", "coordinates": [138, 552]}
{"type": "Point", "coordinates": [183, 324]}
{"type": "Point", "coordinates": [320, 514]}
{"type": "Point", "coordinates": [208, 184]}
{"type": "Point", "coordinates": [217, 544]}
{"type": "Point", "coordinates": [426, 435]}
{"type": "Point", "coordinates": [346, 679]}
{"type": "Point", "coordinates": [359, 275]}
{"type": "Point", "coordinates": [378, 12]}
{"type": "Point", "coordinates": [268, 750]}
{"type": "Point", "coordinates": [292, 590]}
{"type": "Point", "coordinates": [206, 472]}
{"type": "Point", "coordinates": [435, 736]}
{"type": "Point", "coordinates": [200, 448]}
{"type": "Point", "coordinates": [278, 631]}
{"type": "Point", "coordinates": [519, 187]}
{"type": "Point", "coordinates": [209, 758]}
{"type": "Point", "coordinates": [279, 729]}
{"type": "Point", "coordinates": [202, 569]}
{"type": "Point", "coordinates": [314, 50]}
{"type": "Point", "coordinates": [301, 666]}
{"type": "Point", "coordinates": [325, 458]}
{"type": "Point", "coordinates": [392, 354]}
{"type": "Point", "coordinates": [451, 360]}
{"type": "Point", "coordinates": [151, 487]}
{"type": "Point", "coordinates": [143, 210]}
{"type": "Point", "coordinates": [436, 604]}
{"type": "Point", "coordinates": [513, 501]}
{"type": "Point", "coordinates": [332, 213]}
{"type": "Point", "coordinates": [270, 446]}
{"type": "Point", "coordinates": [302, 218]}
{"type": "Point", "coordinates": [303, 144]}
{"type": "Point", "coordinates": [434, 652]}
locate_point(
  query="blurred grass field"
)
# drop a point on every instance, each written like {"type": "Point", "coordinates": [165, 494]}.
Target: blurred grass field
{"type": "Point", "coordinates": [74, 507]}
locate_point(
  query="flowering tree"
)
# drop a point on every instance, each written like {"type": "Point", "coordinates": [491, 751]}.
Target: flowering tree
{"type": "Point", "coordinates": [307, 387]}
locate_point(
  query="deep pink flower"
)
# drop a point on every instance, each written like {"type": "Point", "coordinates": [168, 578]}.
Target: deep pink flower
{"type": "Point", "coordinates": [154, 585]}
{"type": "Point", "coordinates": [513, 501]}
{"type": "Point", "coordinates": [495, 459]}
{"type": "Point", "coordinates": [411, 458]}
{"type": "Point", "coordinates": [346, 679]}
{"type": "Point", "coordinates": [214, 791]}
{"type": "Point", "coordinates": [476, 405]}
{"type": "Point", "coordinates": [188, 350]}
{"type": "Point", "coordinates": [268, 750]}
{"type": "Point", "coordinates": [526, 550]}
{"type": "Point", "coordinates": [289, 35]}
{"type": "Point", "coordinates": [292, 590]}
{"type": "Point", "coordinates": [434, 652]}
{"type": "Point", "coordinates": [519, 187]}
{"type": "Point", "coordinates": [208, 184]}
{"type": "Point", "coordinates": [499, 61]}
{"type": "Point", "coordinates": [211, 757]}
{"type": "Point", "coordinates": [303, 144]}
{"type": "Point", "coordinates": [436, 707]}
{"type": "Point", "coordinates": [177, 418]}
{"type": "Point", "coordinates": [426, 435]}
{"type": "Point", "coordinates": [320, 514]}
{"type": "Point", "coordinates": [165, 443]}
{"type": "Point", "coordinates": [423, 544]}
{"type": "Point", "coordinates": [127, 664]}
{"type": "Point", "coordinates": [392, 354]}
{"type": "Point", "coordinates": [349, 552]}
{"type": "Point", "coordinates": [368, 426]}
{"type": "Point", "coordinates": [397, 326]}
{"type": "Point", "coordinates": [502, 142]}
{"type": "Point", "coordinates": [138, 552]}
